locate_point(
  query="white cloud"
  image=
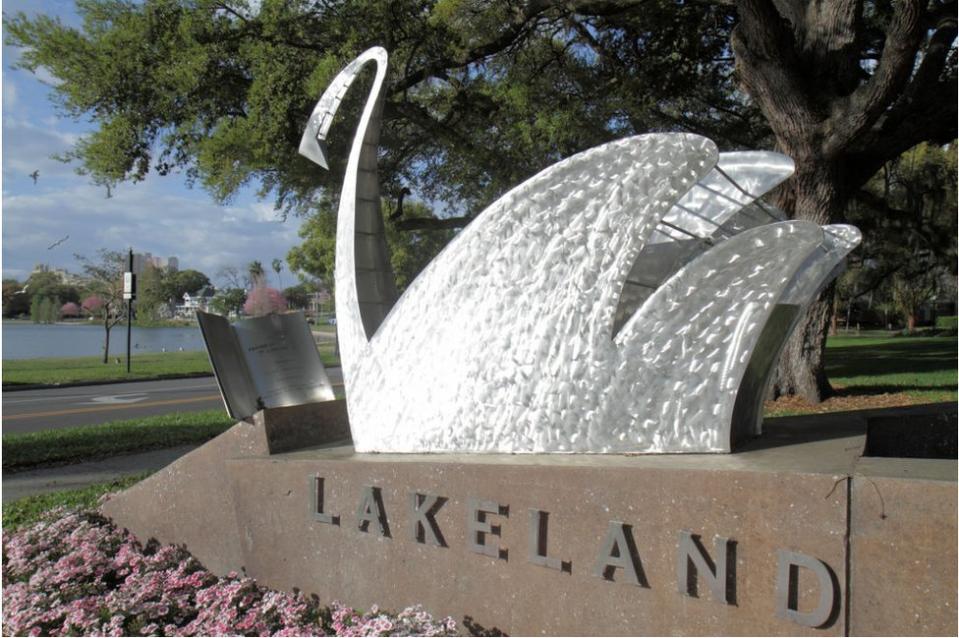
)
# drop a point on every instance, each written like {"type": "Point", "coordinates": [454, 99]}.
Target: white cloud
{"type": "Point", "coordinates": [43, 74]}
{"type": "Point", "coordinates": [159, 215]}
{"type": "Point", "coordinates": [145, 216]}
{"type": "Point", "coordinates": [28, 146]}
{"type": "Point", "coordinates": [9, 95]}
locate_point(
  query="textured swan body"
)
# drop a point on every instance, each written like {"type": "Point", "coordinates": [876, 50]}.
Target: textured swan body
{"type": "Point", "coordinates": [610, 303]}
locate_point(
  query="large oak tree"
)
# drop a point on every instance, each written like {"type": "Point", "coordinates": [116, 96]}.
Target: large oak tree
{"type": "Point", "coordinates": [484, 94]}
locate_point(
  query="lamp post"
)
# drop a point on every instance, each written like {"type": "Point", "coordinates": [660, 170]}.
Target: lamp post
{"type": "Point", "coordinates": [129, 293]}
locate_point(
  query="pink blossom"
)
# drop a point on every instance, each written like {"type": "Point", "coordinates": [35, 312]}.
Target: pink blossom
{"type": "Point", "coordinates": [69, 309]}
{"type": "Point", "coordinates": [92, 304]}
{"type": "Point", "coordinates": [74, 573]}
{"type": "Point", "coordinates": [263, 300]}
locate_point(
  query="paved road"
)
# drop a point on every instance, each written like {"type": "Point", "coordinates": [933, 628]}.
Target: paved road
{"type": "Point", "coordinates": [33, 410]}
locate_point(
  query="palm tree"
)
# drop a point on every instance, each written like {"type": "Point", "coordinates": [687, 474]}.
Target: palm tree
{"type": "Point", "coordinates": [277, 267]}
{"type": "Point", "coordinates": [256, 271]}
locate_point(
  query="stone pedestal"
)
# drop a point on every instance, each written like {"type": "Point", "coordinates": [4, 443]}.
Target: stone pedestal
{"type": "Point", "coordinates": [796, 534]}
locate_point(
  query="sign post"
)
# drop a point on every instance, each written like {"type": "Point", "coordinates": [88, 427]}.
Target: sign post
{"type": "Point", "coordinates": [129, 293]}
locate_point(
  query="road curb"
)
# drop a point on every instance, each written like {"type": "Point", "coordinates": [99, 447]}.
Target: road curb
{"type": "Point", "coordinates": [76, 384]}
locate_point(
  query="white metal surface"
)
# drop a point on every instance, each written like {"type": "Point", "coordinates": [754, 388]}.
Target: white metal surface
{"type": "Point", "coordinates": [509, 340]}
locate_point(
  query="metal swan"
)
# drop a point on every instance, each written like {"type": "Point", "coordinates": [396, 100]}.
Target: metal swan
{"type": "Point", "coordinates": [625, 299]}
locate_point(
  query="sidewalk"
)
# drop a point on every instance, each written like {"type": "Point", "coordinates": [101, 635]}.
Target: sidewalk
{"type": "Point", "coordinates": [66, 477]}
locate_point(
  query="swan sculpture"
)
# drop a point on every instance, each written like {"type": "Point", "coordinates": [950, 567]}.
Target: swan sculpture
{"type": "Point", "coordinates": [631, 298]}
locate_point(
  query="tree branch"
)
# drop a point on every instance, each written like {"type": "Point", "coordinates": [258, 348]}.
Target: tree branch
{"type": "Point", "coordinates": [768, 67]}
{"type": "Point", "coordinates": [860, 110]}
{"type": "Point", "coordinates": [518, 25]}
{"type": "Point", "coordinates": [432, 223]}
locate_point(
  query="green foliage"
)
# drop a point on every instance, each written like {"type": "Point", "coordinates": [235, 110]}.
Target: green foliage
{"type": "Point", "coordinates": [186, 281]}
{"type": "Point", "coordinates": [908, 216]}
{"type": "Point", "coordinates": [16, 302]}
{"type": "Point", "coordinates": [947, 323]}
{"type": "Point", "coordinates": [255, 270]}
{"type": "Point", "coordinates": [161, 365]}
{"type": "Point", "coordinates": [159, 289]}
{"type": "Point", "coordinates": [29, 510]}
{"type": "Point", "coordinates": [151, 298]}
{"type": "Point", "coordinates": [45, 283]}
{"type": "Point", "coordinates": [410, 251]}
{"type": "Point", "coordinates": [41, 296]}
{"type": "Point", "coordinates": [90, 442]}
{"type": "Point", "coordinates": [44, 309]}
{"type": "Point", "coordinates": [478, 101]}
{"type": "Point", "coordinates": [228, 300]}
{"type": "Point", "coordinates": [298, 296]}
{"type": "Point", "coordinates": [53, 371]}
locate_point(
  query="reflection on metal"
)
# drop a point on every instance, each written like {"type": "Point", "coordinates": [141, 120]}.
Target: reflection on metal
{"type": "Point", "coordinates": [820, 269]}
{"type": "Point", "coordinates": [365, 286]}
{"type": "Point", "coordinates": [266, 362]}
{"type": "Point", "coordinates": [612, 303]}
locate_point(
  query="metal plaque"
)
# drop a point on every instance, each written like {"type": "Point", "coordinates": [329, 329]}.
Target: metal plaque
{"type": "Point", "coordinates": [265, 362]}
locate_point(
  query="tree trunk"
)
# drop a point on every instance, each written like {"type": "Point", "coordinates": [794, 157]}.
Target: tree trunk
{"type": "Point", "coordinates": [801, 63]}
{"type": "Point", "coordinates": [106, 343]}
{"type": "Point", "coordinates": [814, 194]}
{"type": "Point", "coordinates": [801, 369]}
{"type": "Point", "coordinates": [911, 322]}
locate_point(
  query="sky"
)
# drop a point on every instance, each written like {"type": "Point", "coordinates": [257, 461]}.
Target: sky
{"type": "Point", "coordinates": [159, 215]}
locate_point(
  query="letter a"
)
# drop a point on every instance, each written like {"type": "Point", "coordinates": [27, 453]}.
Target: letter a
{"type": "Point", "coordinates": [619, 550]}
{"type": "Point", "coordinates": [370, 512]}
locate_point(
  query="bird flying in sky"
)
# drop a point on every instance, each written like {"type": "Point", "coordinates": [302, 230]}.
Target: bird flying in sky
{"type": "Point", "coordinates": [57, 243]}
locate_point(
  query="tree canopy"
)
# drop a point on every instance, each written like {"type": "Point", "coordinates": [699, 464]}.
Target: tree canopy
{"type": "Point", "coordinates": [479, 98]}
{"type": "Point", "coordinates": [482, 95]}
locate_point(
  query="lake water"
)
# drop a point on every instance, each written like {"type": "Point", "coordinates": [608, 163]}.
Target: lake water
{"type": "Point", "coordinates": [23, 340]}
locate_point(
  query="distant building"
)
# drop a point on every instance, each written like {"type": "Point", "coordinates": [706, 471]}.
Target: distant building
{"type": "Point", "coordinates": [142, 260]}
{"type": "Point", "coordinates": [199, 301]}
{"type": "Point", "coordinates": [65, 276]}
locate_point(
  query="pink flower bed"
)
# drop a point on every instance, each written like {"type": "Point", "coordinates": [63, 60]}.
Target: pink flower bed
{"type": "Point", "coordinates": [77, 574]}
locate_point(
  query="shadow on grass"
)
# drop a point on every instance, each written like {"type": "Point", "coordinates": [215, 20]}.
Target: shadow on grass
{"type": "Point", "coordinates": [869, 390]}
{"type": "Point", "coordinates": [912, 356]}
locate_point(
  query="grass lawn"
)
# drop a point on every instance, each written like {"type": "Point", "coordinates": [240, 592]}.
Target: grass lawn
{"type": "Point", "coordinates": [29, 510]}
{"type": "Point", "coordinates": [162, 365]}
{"type": "Point", "coordinates": [89, 442]}
{"type": "Point", "coordinates": [883, 371]}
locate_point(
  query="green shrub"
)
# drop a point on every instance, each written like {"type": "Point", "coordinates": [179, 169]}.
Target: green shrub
{"type": "Point", "coordinates": [947, 323]}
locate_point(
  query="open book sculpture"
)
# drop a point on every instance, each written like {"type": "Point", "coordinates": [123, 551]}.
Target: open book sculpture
{"type": "Point", "coordinates": [264, 362]}
{"type": "Point", "coordinates": [631, 298]}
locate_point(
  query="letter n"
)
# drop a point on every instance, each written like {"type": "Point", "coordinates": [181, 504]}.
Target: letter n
{"type": "Point", "coordinates": [694, 562]}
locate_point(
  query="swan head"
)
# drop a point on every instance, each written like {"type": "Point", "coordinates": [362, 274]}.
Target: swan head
{"type": "Point", "coordinates": [313, 143]}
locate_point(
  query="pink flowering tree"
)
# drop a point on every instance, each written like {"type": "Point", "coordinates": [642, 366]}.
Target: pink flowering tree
{"type": "Point", "coordinates": [69, 309]}
{"type": "Point", "coordinates": [92, 305]}
{"type": "Point", "coordinates": [263, 300]}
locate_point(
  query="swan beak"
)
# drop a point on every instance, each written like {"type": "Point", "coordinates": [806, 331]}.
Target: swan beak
{"type": "Point", "coordinates": [313, 148]}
